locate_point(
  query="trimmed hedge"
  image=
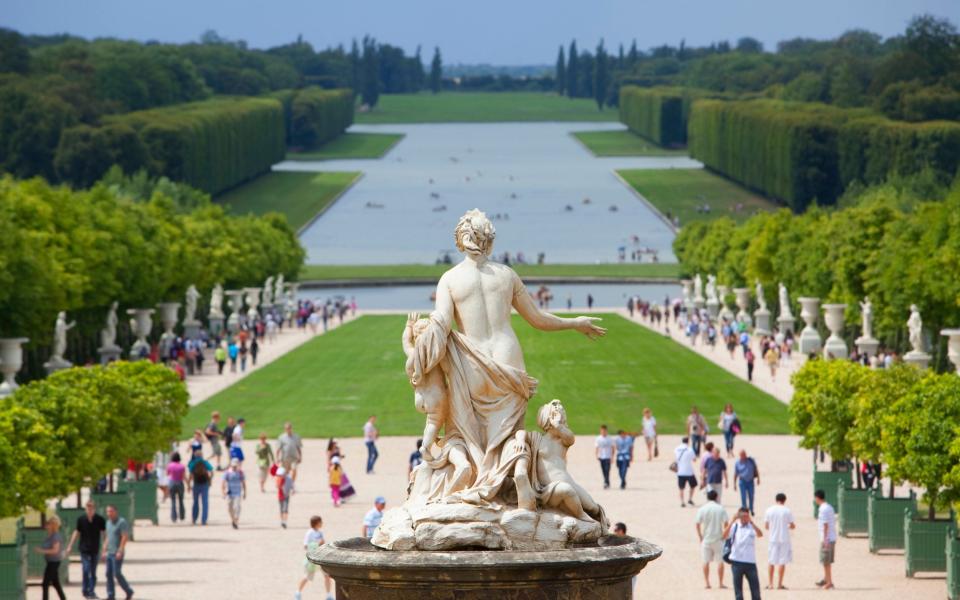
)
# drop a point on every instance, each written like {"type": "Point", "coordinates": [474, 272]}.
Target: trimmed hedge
{"type": "Point", "coordinates": [785, 150]}
{"type": "Point", "coordinates": [873, 149]}
{"type": "Point", "coordinates": [654, 113]}
{"type": "Point", "coordinates": [212, 145]}
{"type": "Point", "coordinates": [317, 116]}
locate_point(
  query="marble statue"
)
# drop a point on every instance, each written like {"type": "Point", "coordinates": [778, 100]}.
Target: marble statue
{"type": "Point", "coordinates": [486, 482]}
{"type": "Point", "coordinates": [866, 313]}
{"type": "Point", "coordinates": [915, 326]}
{"type": "Point", "coordinates": [216, 302]}
{"type": "Point", "coordinates": [760, 299]}
{"type": "Point", "coordinates": [784, 301]}
{"type": "Point", "coordinates": [278, 290]}
{"type": "Point", "coordinates": [697, 287]}
{"type": "Point", "coordinates": [60, 341]}
{"type": "Point", "coordinates": [108, 335]}
{"type": "Point", "coordinates": [190, 305]}
{"type": "Point", "coordinates": [712, 289]}
{"type": "Point", "coordinates": [268, 293]}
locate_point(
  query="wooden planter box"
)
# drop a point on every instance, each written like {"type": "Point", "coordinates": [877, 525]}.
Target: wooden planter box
{"type": "Point", "coordinates": [124, 501]}
{"type": "Point", "coordinates": [13, 565]}
{"type": "Point", "coordinates": [828, 482]}
{"type": "Point", "coordinates": [923, 542]}
{"type": "Point", "coordinates": [851, 509]}
{"type": "Point", "coordinates": [953, 564]}
{"type": "Point", "coordinates": [885, 520]}
{"type": "Point", "coordinates": [146, 497]}
{"type": "Point", "coordinates": [36, 563]}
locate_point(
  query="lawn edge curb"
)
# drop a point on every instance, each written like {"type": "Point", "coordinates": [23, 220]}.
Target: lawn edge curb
{"type": "Point", "coordinates": [333, 201]}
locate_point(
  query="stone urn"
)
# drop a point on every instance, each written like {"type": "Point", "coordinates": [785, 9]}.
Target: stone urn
{"type": "Point", "coordinates": [835, 347]}
{"type": "Point", "coordinates": [723, 291]}
{"type": "Point", "coordinates": [743, 303]}
{"type": "Point", "coordinates": [953, 346]}
{"type": "Point", "coordinates": [809, 337]}
{"type": "Point", "coordinates": [140, 325]}
{"type": "Point", "coordinates": [253, 301]}
{"type": "Point", "coordinates": [11, 360]}
{"type": "Point", "coordinates": [235, 304]}
{"type": "Point", "coordinates": [168, 318]}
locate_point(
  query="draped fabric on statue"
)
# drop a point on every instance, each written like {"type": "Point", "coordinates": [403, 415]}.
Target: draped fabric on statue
{"type": "Point", "coordinates": [488, 401]}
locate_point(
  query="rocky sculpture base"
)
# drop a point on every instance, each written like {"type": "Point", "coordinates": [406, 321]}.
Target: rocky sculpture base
{"type": "Point", "coordinates": [602, 570]}
{"type": "Point", "coordinates": [441, 526]}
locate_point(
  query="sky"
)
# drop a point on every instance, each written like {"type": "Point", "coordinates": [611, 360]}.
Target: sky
{"type": "Point", "coordinates": [499, 32]}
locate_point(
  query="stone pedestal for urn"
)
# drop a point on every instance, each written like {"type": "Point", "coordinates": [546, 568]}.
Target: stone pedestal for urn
{"type": "Point", "coordinates": [142, 326]}
{"type": "Point", "coordinates": [743, 303]}
{"type": "Point", "coordinates": [834, 347]}
{"type": "Point", "coordinates": [762, 316]}
{"type": "Point", "coordinates": [602, 570]}
{"type": "Point", "coordinates": [11, 360]}
{"type": "Point", "coordinates": [953, 346]}
{"type": "Point", "coordinates": [235, 302]}
{"type": "Point", "coordinates": [168, 318]}
{"type": "Point", "coordinates": [809, 336]}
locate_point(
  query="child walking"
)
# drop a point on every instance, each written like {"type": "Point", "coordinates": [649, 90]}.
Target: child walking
{"type": "Point", "coordinates": [284, 491]}
{"type": "Point", "coordinates": [336, 480]}
{"type": "Point", "coordinates": [312, 540]}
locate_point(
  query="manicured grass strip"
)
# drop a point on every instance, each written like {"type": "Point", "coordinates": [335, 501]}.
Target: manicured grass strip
{"type": "Point", "coordinates": [615, 270]}
{"type": "Point", "coordinates": [299, 196]}
{"type": "Point", "coordinates": [331, 384]}
{"type": "Point", "coordinates": [622, 143]}
{"type": "Point", "coordinates": [679, 192]}
{"type": "Point", "coordinates": [351, 145]}
{"type": "Point", "coordinates": [483, 107]}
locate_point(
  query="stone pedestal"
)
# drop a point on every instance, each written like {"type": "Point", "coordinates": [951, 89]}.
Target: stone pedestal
{"type": "Point", "coordinates": [868, 346]}
{"type": "Point", "coordinates": [11, 360]}
{"type": "Point", "coordinates": [809, 337]}
{"type": "Point", "coordinates": [55, 364]}
{"type": "Point", "coordinates": [953, 346]}
{"type": "Point", "coordinates": [109, 355]}
{"type": "Point", "coordinates": [699, 302]}
{"type": "Point", "coordinates": [743, 303]}
{"type": "Point", "coordinates": [786, 323]}
{"type": "Point", "coordinates": [713, 308]}
{"type": "Point", "coordinates": [600, 571]}
{"type": "Point", "coordinates": [762, 316]}
{"type": "Point", "coordinates": [918, 359]}
{"type": "Point", "coordinates": [216, 325]}
{"type": "Point", "coordinates": [835, 347]}
{"type": "Point", "coordinates": [191, 329]}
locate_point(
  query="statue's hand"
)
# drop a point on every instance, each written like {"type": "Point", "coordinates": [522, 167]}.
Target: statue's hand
{"type": "Point", "coordinates": [585, 326]}
{"type": "Point", "coordinates": [412, 318]}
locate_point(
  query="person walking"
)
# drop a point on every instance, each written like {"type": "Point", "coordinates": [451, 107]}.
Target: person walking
{"type": "Point", "coordinates": [236, 442]}
{"type": "Point", "coordinates": [227, 436]}
{"type": "Point", "coordinates": [604, 452]}
{"type": "Point", "coordinates": [289, 450]}
{"type": "Point", "coordinates": [220, 356]}
{"type": "Point", "coordinates": [683, 466]}
{"type": "Point", "coordinates": [696, 429]}
{"type": "Point", "coordinates": [730, 425]}
{"type": "Point", "coordinates": [52, 550]}
{"type": "Point", "coordinates": [750, 358]}
{"type": "Point", "coordinates": [176, 473]}
{"type": "Point", "coordinates": [373, 517]}
{"type": "Point", "coordinates": [746, 474]}
{"type": "Point", "coordinates": [743, 553]}
{"type": "Point", "coordinates": [234, 489]}
{"type": "Point", "coordinates": [336, 480]}
{"type": "Point", "coordinates": [233, 351]}
{"type": "Point", "coordinates": [213, 433]}
{"type": "Point", "coordinates": [624, 444]}
{"type": "Point", "coordinates": [284, 491]}
{"type": "Point", "coordinates": [711, 521]}
{"type": "Point", "coordinates": [827, 526]}
{"type": "Point", "coordinates": [90, 530]}
{"type": "Point", "coordinates": [265, 460]}
{"type": "Point", "coordinates": [312, 540]}
{"type": "Point", "coordinates": [254, 350]}
{"type": "Point", "coordinates": [650, 433]}
{"type": "Point", "coordinates": [244, 352]}
{"type": "Point", "coordinates": [370, 435]}
{"type": "Point", "coordinates": [416, 457]}
{"type": "Point", "coordinates": [715, 472]}
{"type": "Point", "coordinates": [778, 520]}
{"type": "Point", "coordinates": [118, 534]}
{"type": "Point", "coordinates": [199, 478]}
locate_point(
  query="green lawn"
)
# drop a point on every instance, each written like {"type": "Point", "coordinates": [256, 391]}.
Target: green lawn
{"type": "Point", "coordinates": [622, 143]}
{"type": "Point", "coordinates": [351, 145]}
{"type": "Point", "coordinates": [680, 191]}
{"type": "Point", "coordinates": [613, 270]}
{"type": "Point", "coordinates": [299, 196]}
{"type": "Point", "coordinates": [331, 384]}
{"type": "Point", "coordinates": [483, 107]}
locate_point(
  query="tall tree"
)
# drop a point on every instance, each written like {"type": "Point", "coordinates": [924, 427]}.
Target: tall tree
{"type": "Point", "coordinates": [620, 62]}
{"type": "Point", "coordinates": [561, 72]}
{"type": "Point", "coordinates": [370, 70]}
{"type": "Point", "coordinates": [355, 67]}
{"type": "Point", "coordinates": [633, 56]}
{"type": "Point", "coordinates": [573, 83]}
{"type": "Point", "coordinates": [436, 71]}
{"type": "Point", "coordinates": [601, 76]}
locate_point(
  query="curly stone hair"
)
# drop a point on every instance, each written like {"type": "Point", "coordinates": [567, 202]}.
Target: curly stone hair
{"type": "Point", "coordinates": [475, 225]}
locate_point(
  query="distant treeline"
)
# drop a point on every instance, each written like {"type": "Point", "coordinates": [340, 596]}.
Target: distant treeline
{"type": "Point", "coordinates": [49, 84]}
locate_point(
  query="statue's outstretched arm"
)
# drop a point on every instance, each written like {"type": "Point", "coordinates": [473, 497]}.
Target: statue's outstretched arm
{"type": "Point", "coordinates": [545, 321]}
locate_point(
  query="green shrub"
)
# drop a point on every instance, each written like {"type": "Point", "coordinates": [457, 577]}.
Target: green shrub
{"type": "Point", "coordinates": [654, 113]}
{"type": "Point", "coordinates": [317, 116]}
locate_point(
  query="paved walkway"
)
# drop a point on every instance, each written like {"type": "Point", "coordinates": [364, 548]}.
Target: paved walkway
{"type": "Point", "coordinates": [263, 561]}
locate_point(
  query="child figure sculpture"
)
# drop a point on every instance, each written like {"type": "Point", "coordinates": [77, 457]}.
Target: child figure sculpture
{"type": "Point", "coordinates": [430, 390]}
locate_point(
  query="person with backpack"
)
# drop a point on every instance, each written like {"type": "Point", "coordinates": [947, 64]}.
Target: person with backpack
{"type": "Point", "coordinates": [696, 430]}
{"type": "Point", "coordinates": [747, 473]}
{"type": "Point", "coordinates": [200, 478]}
{"type": "Point", "coordinates": [740, 550]}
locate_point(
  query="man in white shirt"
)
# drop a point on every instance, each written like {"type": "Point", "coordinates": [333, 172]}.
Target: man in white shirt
{"type": "Point", "coordinates": [236, 440]}
{"type": "Point", "coordinates": [370, 435]}
{"type": "Point", "coordinates": [827, 524]}
{"type": "Point", "coordinates": [711, 521]}
{"type": "Point", "coordinates": [604, 445]}
{"type": "Point", "coordinates": [743, 553]}
{"type": "Point", "coordinates": [779, 521]}
{"type": "Point", "coordinates": [684, 458]}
